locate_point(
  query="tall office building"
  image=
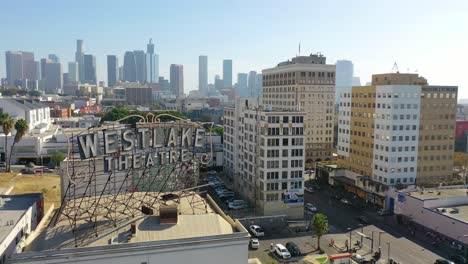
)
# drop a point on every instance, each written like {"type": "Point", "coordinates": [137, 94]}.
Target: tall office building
{"type": "Point", "coordinates": [259, 84]}
{"type": "Point", "coordinates": [264, 156]}
{"type": "Point", "coordinates": [218, 83]}
{"type": "Point", "coordinates": [54, 58]}
{"type": "Point", "coordinates": [227, 73]}
{"type": "Point", "coordinates": [177, 79]}
{"type": "Point", "coordinates": [129, 67]}
{"type": "Point", "coordinates": [152, 64]}
{"type": "Point", "coordinates": [112, 70]}
{"type": "Point", "coordinates": [241, 85]}
{"type": "Point", "coordinates": [20, 68]}
{"type": "Point", "coordinates": [252, 85]}
{"type": "Point", "coordinates": [398, 131]}
{"type": "Point", "coordinates": [73, 72]}
{"type": "Point", "coordinates": [344, 76]}
{"type": "Point", "coordinates": [79, 58]}
{"type": "Point", "coordinates": [203, 75]}
{"type": "Point", "coordinates": [53, 77]}
{"type": "Point", "coordinates": [90, 69]}
{"type": "Point", "coordinates": [140, 62]}
{"type": "Point", "coordinates": [305, 83]}
{"type": "Point", "coordinates": [44, 61]}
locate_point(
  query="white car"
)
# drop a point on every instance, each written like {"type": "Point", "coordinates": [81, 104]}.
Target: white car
{"type": "Point", "coordinates": [256, 230]}
{"type": "Point", "coordinates": [237, 204]}
{"type": "Point", "coordinates": [310, 207]}
{"type": "Point", "coordinates": [282, 251]}
{"type": "Point", "coordinates": [254, 243]}
{"type": "Point", "coordinates": [212, 173]}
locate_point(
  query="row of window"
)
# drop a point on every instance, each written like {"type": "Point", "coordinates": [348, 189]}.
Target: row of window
{"type": "Point", "coordinates": [275, 186]}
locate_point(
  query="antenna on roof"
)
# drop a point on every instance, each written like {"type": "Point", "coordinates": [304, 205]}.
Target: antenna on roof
{"type": "Point", "coordinates": [395, 68]}
{"type": "Point", "coordinates": [299, 48]}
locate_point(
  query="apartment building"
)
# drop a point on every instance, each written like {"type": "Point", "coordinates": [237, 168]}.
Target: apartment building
{"type": "Point", "coordinates": [264, 156]}
{"type": "Point", "coordinates": [399, 130]}
{"type": "Point", "coordinates": [306, 84]}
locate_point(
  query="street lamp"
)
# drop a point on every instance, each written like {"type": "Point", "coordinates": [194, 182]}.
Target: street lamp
{"type": "Point", "coordinates": [362, 231]}
{"type": "Point", "coordinates": [349, 229]}
{"type": "Point", "coordinates": [388, 253]}
{"type": "Point", "coordinates": [380, 233]}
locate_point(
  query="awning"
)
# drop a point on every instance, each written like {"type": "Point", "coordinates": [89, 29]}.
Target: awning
{"type": "Point", "coordinates": [345, 180]}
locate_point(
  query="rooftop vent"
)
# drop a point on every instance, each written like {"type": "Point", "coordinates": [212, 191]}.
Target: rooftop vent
{"type": "Point", "coordinates": [168, 214]}
{"type": "Point", "coordinates": [146, 210]}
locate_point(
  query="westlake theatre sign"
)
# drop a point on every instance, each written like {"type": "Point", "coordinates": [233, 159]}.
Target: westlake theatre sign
{"type": "Point", "coordinates": [144, 146]}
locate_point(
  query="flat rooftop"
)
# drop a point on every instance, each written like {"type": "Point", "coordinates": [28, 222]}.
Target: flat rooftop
{"type": "Point", "coordinates": [197, 218]}
{"type": "Point", "coordinates": [461, 212]}
{"type": "Point", "coordinates": [12, 208]}
{"type": "Point", "coordinates": [438, 193]}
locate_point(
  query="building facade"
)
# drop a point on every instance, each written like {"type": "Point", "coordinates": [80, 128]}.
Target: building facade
{"type": "Point", "coordinates": [112, 70]}
{"type": "Point", "coordinates": [264, 157]}
{"type": "Point", "coordinates": [344, 76]}
{"type": "Point", "coordinates": [307, 84]}
{"type": "Point", "coordinates": [241, 85]}
{"type": "Point", "coordinates": [390, 133]}
{"type": "Point", "coordinates": [90, 75]}
{"type": "Point", "coordinates": [129, 67]}
{"type": "Point", "coordinates": [177, 80]}
{"type": "Point", "coordinates": [203, 75]}
{"type": "Point", "coordinates": [73, 72]}
{"type": "Point", "coordinates": [227, 73]}
{"type": "Point", "coordinates": [53, 77]}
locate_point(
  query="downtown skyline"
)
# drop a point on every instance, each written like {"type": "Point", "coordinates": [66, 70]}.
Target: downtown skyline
{"type": "Point", "coordinates": [180, 34]}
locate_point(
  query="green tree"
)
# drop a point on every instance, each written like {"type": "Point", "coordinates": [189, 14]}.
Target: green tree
{"type": "Point", "coordinates": [21, 127]}
{"type": "Point", "coordinates": [320, 226]}
{"type": "Point", "coordinates": [7, 125]}
{"type": "Point", "coordinates": [34, 93]}
{"type": "Point", "coordinates": [218, 129]}
{"type": "Point", "coordinates": [118, 113]}
{"type": "Point", "coordinates": [57, 157]}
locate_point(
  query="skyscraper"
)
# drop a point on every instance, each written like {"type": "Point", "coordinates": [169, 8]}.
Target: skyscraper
{"type": "Point", "coordinates": [203, 75]}
{"type": "Point", "coordinates": [54, 58]}
{"type": "Point", "coordinates": [53, 77]}
{"type": "Point", "coordinates": [73, 72]}
{"type": "Point", "coordinates": [90, 69]}
{"type": "Point", "coordinates": [344, 77]}
{"type": "Point", "coordinates": [112, 70]}
{"type": "Point", "coordinates": [20, 67]}
{"type": "Point", "coordinates": [307, 84]}
{"type": "Point", "coordinates": [259, 84]}
{"type": "Point", "coordinates": [129, 67]}
{"type": "Point", "coordinates": [252, 87]}
{"type": "Point", "coordinates": [241, 85]}
{"type": "Point", "coordinates": [44, 61]}
{"type": "Point", "coordinates": [177, 79]}
{"type": "Point", "coordinates": [140, 62]}
{"type": "Point", "coordinates": [227, 73]}
{"type": "Point", "coordinates": [152, 64]}
{"type": "Point", "coordinates": [79, 58]}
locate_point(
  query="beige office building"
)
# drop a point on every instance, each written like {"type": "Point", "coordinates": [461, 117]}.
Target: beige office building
{"type": "Point", "coordinates": [306, 84]}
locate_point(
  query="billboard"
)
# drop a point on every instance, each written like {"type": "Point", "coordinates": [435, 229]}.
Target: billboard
{"type": "Point", "coordinates": [293, 196]}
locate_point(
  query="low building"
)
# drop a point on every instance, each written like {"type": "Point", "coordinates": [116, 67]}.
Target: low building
{"type": "Point", "coordinates": [139, 96]}
{"type": "Point", "coordinates": [33, 112]}
{"type": "Point", "coordinates": [461, 136]}
{"type": "Point", "coordinates": [19, 217]}
{"type": "Point", "coordinates": [201, 233]}
{"type": "Point", "coordinates": [444, 210]}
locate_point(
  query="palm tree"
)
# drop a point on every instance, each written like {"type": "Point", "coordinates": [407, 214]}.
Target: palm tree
{"type": "Point", "coordinates": [7, 124]}
{"type": "Point", "coordinates": [21, 127]}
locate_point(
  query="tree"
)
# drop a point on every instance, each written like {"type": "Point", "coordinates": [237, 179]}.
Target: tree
{"type": "Point", "coordinates": [7, 124]}
{"type": "Point", "coordinates": [57, 157]}
{"type": "Point", "coordinates": [320, 226]}
{"type": "Point", "coordinates": [218, 129]}
{"type": "Point", "coordinates": [34, 93]}
{"type": "Point", "coordinates": [21, 127]}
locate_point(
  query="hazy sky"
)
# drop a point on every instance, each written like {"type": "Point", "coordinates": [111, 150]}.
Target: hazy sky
{"type": "Point", "coordinates": [430, 37]}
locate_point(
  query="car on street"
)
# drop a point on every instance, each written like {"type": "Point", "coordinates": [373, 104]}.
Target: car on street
{"type": "Point", "coordinates": [458, 259]}
{"type": "Point", "coordinates": [383, 212]}
{"type": "Point", "coordinates": [212, 172]}
{"type": "Point", "coordinates": [293, 249]}
{"type": "Point", "coordinates": [220, 190]}
{"type": "Point", "coordinates": [309, 189]}
{"type": "Point", "coordinates": [310, 207]}
{"type": "Point", "coordinates": [362, 219]}
{"type": "Point", "coordinates": [237, 204]}
{"type": "Point", "coordinates": [443, 261]}
{"type": "Point", "coordinates": [229, 200]}
{"type": "Point", "coordinates": [282, 251]}
{"type": "Point", "coordinates": [226, 194]}
{"type": "Point", "coordinates": [257, 230]}
{"type": "Point", "coordinates": [345, 201]}
{"type": "Point", "coordinates": [254, 243]}
{"type": "Point", "coordinates": [48, 170]}
{"type": "Point", "coordinates": [337, 197]}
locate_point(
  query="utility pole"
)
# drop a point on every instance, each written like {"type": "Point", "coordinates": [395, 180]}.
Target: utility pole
{"type": "Point", "coordinates": [388, 253]}
{"type": "Point", "coordinates": [372, 241]}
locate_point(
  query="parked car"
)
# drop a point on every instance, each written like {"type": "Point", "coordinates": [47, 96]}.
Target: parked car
{"type": "Point", "coordinates": [226, 194]}
{"type": "Point", "coordinates": [293, 249]}
{"type": "Point", "coordinates": [282, 251]}
{"type": "Point", "coordinates": [27, 171]}
{"type": "Point", "coordinates": [212, 172]}
{"type": "Point", "coordinates": [237, 204]}
{"type": "Point", "coordinates": [345, 201]}
{"type": "Point", "coordinates": [220, 190]}
{"type": "Point", "coordinates": [310, 207]}
{"type": "Point", "coordinates": [309, 189]}
{"type": "Point", "coordinates": [458, 259]}
{"type": "Point", "coordinates": [254, 243]}
{"type": "Point", "coordinates": [48, 170]}
{"type": "Point", "coordinates": [337, 197]}
{"type": "Point", "coordinates": [383, 212]}
{"type": "Point", "coordinates": [443, 261]}
{"type": "Point", "coordinates": [256, 230]}
{"type": "Point", "coordinates": [2, 164]}
{"type": "Point", "coordinates": [362, 219]}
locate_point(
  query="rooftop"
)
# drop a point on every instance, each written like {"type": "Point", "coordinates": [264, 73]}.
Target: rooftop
{"type": "Point", "coordinates": [12, 208]}
{"type": "Point", "coordinates": [429, 194]}
{"type": "Point", "coordinates": [457, 212]}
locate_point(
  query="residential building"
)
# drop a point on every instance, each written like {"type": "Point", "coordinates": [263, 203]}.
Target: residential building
{"type": "Point", "coordinates": [140, 62]}
{"type": "Point", "coordinates": [177, 80]}
{"type": "Point", "coordinates": [344, 76]}
{"type": "Point", "coordinates": [73, 72]}
{"type": "Point", "coordinates": [112, 70]}
{"type": "Point", "coordinates": [53, 77]}
{"type": "Point", "coordinates": [307, 84]}
{"type": "Point", "coordinates": [152, 64]}
{"type": "Point", "coordinates": [203, 75]}
{"type": "Point", "coordinates": [79, 58]}
{"type": "Point", "coordinates": [139, 96]}
{"type": "Point", "coordinates": [398, 131]}
{"type": "Point", "coordinates": [264, 156]}
{"type": "Point", "coordinates": [19, 217]}
{"type": "Point", "coordinates": [241, 85]}
{"type": "Point", "coordinates": [129, 67]}
{"type": "Point", "coordinates": [227, 73]}
{"type": "Point", "coordinates": [90, 75]}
